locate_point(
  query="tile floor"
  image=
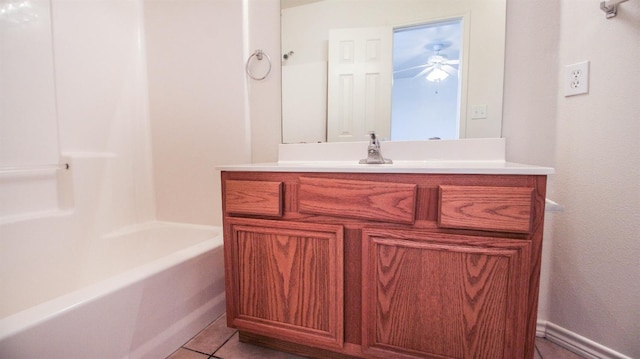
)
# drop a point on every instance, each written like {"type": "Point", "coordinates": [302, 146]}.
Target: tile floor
{"type": "Point", "coordinates": [217, 341]}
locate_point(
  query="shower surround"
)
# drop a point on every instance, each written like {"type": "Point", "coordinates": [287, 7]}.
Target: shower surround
{"type": "Point", "coordinates": [112, 89]}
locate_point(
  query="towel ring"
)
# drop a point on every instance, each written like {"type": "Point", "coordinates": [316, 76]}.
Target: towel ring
{"type": "Point", "coordinates": [258, 55]}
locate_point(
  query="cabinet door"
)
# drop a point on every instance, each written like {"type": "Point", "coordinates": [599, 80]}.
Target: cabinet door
{"type": "Point", "coordinates": [285, 280]}
{"type": "Point", "coordinates": [440, 295]}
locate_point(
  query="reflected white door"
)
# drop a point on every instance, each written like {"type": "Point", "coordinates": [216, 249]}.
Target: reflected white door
{"type": "Point", "coordinates": [359, 83]}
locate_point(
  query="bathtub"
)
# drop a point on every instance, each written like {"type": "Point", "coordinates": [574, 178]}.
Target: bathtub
{"type": "Point", "coordinates": [139, 292]}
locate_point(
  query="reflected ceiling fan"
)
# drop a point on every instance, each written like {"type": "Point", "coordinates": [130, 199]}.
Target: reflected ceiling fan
{"type": "Point", "coordinates": [438, 67]}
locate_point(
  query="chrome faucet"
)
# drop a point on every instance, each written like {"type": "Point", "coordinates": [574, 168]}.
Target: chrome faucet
{"type": "Point", "coordinates": [374, 155]}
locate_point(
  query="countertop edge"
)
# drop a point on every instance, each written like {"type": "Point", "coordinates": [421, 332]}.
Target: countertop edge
{"type": "Point", "coordinates": [434, 167]}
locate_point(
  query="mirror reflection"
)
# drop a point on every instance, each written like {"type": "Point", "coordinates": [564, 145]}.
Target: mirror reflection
{"type": "Point", "coordinates": [407, 69]}
{"type": "Point", "coordinates": [426, 90]}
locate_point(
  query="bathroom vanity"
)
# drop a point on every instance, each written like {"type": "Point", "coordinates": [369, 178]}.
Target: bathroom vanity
{"type": "Point", "coordinates": [389, 261]}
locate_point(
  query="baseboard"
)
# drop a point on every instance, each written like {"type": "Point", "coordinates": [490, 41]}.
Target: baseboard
{"type": "Point", "coordinates": [541, 328]}
{"type": "Point", "coordinates": [575, 342]}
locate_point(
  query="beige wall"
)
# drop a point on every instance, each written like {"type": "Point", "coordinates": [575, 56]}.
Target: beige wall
{"type": "Point", "coordinates": [529, 109]}
{"type": "Point", "coordinates": [595, 286]}
{"type": "Point", "coordinates": [196, 103]}
{"type": "Point", "coordinates": [593, 273]}
{"type": "Point", "coordinates": [264, 96]}
{"type": "Point", "coordinates": [203, 110]}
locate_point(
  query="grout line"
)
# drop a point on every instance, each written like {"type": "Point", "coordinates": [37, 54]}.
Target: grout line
{"type": "Point", "coordinates": [538, 351]}
{"type": "Point", "coordinates": [195, 351]}
{"type": "Point", "coordinates": [223, 344]}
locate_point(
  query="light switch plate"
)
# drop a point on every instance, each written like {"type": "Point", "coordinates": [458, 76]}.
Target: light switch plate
{"type": "Point", "coordinates": [576, 79]}
{"type": "Point", "coordinates": [478, 112]}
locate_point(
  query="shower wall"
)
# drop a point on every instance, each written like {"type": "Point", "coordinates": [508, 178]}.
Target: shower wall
{"type": "Point", "coordinates": [101, 92]}
{"type": "Point", "coordinates": [28, 128]}
{"type": "Point", "coordinates": [27, 91]}
{"type": "Point", "coordinates": [73, 90]}
{"type": "Point", "coordinates": [143, 97]}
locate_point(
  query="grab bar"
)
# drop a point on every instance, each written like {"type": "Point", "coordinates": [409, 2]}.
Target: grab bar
{"type": "Point", "coordinates": [34, 168]}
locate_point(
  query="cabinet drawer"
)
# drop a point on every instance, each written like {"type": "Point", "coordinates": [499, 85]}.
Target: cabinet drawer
{"type": "Point", "coordinates": [253, 197]}
{"type": "Point", "coordinates": [380, 201]}
{"type": "Point", "coordinates": [503, 209]}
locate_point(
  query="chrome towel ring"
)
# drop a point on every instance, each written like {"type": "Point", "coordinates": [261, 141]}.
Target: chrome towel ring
{"type": "Point", "coordinates": [258, 54]}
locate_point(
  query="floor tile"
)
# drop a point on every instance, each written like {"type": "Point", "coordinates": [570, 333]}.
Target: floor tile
{"type": "Point", "coordinates": [223, 343]}
{"type": "Point", "coordinates": [549, 350]}
{"type": "Point", "coordinates": [536, 355]}
{"type": "Point", "coordinates": [183, 353]}
{"type": "Point", "coordinates": [212, 337]}
{"type": "Point", "coordinates": [234, 349]}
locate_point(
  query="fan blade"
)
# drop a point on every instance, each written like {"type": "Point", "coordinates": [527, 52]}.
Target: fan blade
{"type": "Point", "coordinates": [450, 70]}
{"type": "Point", "coordinates": [452, 62]}
{"type": "Point", "coordinates": [410, 68]}
{"type": "Point", "coordinates": [426, 70]}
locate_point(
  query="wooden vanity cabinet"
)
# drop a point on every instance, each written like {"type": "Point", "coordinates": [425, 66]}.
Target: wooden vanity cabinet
{"type": "Point", "coordinates": [287, 280]}
{"type": "Point", "coordinates": [364, 265]}
{"type": "Point", "coordinates": [439, 295]}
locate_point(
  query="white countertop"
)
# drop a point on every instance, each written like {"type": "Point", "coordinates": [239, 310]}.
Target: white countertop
{"type": "Point", "coordinates": [470, 156]}
{"type": "Point", "coordinates": [442, 167]}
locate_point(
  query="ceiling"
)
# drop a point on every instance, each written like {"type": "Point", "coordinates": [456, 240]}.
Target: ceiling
{"type": "Point", "coordinates": [412, 46]}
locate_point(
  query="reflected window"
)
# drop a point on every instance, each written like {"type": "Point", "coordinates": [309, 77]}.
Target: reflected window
{"type": "Point", "coordinates": [426, 90]}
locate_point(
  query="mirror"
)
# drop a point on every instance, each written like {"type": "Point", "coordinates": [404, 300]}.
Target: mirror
{"type": "Point", "coordinates": [310, 95]}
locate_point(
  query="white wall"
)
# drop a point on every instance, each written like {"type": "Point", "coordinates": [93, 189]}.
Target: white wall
{"type": "Point", "coordinates": [204, 110]}
{"type": "Point", "coordinates": [593, 274]}
{"type": "Point", "coordinates": [263, 99]}
{"type": "Point", "coordinates": [595, 285]}
{"type": "Point", "coordinates": [531, 81]}
{"type": "Point", "coordinates": [195, 58]}
{"type": "Point", "coordinates": [529, 108]}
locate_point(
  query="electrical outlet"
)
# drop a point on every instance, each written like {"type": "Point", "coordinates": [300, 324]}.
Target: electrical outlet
{"type": "Point", "coordinates": [576, 79]}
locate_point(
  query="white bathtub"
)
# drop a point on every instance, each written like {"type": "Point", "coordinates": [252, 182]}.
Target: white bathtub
{"type": "Point", "coordinates": [140, 292]}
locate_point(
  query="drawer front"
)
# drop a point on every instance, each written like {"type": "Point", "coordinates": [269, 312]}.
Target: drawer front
{"type": "Point", "coordinates": [502, 209]}
{"type": "Point", "coordinates": [379, 201]}
{"type": "Point", "coordinates": [253, 197]}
